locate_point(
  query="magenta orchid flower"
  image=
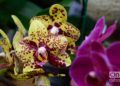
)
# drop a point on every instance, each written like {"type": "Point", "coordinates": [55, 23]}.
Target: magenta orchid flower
{"type": "Point", "coordinates": [99, 33]}
{"type": "Point", "coordinates": [94, 62]}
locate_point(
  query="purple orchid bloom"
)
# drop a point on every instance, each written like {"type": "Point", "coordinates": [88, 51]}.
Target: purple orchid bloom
{"type": "Point", "coordinates": [94, 62]}
{"type": "Point", "coordinates": [93, 68]}
{"type": "Point", "coordinates": [99, 34]}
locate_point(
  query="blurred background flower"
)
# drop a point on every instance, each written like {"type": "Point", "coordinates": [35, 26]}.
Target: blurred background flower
{"type": "Point", "coordinates": [94, 61]}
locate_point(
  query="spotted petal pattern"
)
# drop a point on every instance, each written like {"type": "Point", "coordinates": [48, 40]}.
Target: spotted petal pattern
{"type": "Point", "coordinates": [49, 39]}
{"type": "Point", "coordinates": [58, 13]}
{"type": "Point", "coordinates": [6, 45]}
{"type": "Point", "coordinates": [37, 30]}
{"type": "Point", "coordinates": [56, 44]}
{"type": "Point", "coordinates": [58, 19]}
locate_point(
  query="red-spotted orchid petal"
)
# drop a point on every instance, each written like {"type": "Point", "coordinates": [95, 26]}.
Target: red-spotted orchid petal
{"type": "Point", "coordinates": [58, 13]}
{"type": "Point", "coordinates": [7, 47]}
{"type": "Point", "coordinates": [37, 31]}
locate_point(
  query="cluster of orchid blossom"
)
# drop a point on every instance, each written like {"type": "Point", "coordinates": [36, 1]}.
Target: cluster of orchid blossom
{"type": "Point", "coordinates": [94, 61]}
{"type": "Point", "coordinates": [49, 39]}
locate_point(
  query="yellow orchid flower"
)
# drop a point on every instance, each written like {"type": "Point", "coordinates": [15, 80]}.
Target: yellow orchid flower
{"type": "Point", "coordinates": [48, 39]}
{"type": "Point", "coordinates": [34, 50]}
{"type": "Point", "coordinates": [56, 23]}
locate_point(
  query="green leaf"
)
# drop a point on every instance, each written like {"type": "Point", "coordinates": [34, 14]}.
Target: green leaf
{"type": "Point", "coordinates": [12, 5]}
{"type": "Point", "coordinates": [1, 1]}
{"type": "Point", "coordinates": [30, 10]}
{"type": "Point", "coordinates": [44, 12]}
{"type": "Point", "coordinates": [66, 3]}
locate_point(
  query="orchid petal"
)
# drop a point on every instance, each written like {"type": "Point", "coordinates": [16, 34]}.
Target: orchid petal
{"type": "Point", "coordinates": [25, 53]}
{"type": "Point", "coordinates": [17, 38]}
{"type": "Point", "coordinates": [101, 64]}
{"type": "Point", "coordinates": [5, 41]}
{"type": "Point", "coordinates": [56, 44]}
{"type": "Point", "coordinates": [97, 53]}
{"type": "Point", "coordinates": [37, 30]}
{"type": "Point", "coordinates": [20, 33]}
{"type": "Point", "coordinates": [97, 31]}
{"type": "Point", "coordinates": [45, 19]}
{"type": "Point", "coordinates": [60, 61]}
{"type": "Point", "coordinates": [108, 33]}
{"type": "Point", "coordinates": [71, 45]}
{"type": "Point", "coordinates": [80, 68]}
{"type": "Point", "coordinates": [97, 47]}
{"type": "Point", "coordinates": [93, 36]}
{"type": "Point", "coordinates": [6, 45]}
{"type": "Point", "coordinates": [65, 58]}
{"type": "Point", "coordinates": [83, 65]}
{"type": "Point", "coordinates": [20, 26]}
{"type": "Point", "coordinates": [94, 53]}
{"type": "Point", "coordinates": [91, 46]}
{"type": "Point", "coordinates": [70, 31]}
{"type": "Point", "coordinates": [73, 83]}
{"type": "Point", "coordinates": [58, 13]}
{"type": "Point", "coordinates": [113, 53]}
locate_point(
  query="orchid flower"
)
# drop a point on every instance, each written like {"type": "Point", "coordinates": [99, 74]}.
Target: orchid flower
{"type": "Point", "coordinates": [57, 23]}
{"type": "Point", "coordinates": [93, 61]}
{"type": "Point", "coordinates": [99, 34]}
{"type": "Point", "coordinates": [93, 69]}
{"type": "Point", "coordinates": [48, 39]}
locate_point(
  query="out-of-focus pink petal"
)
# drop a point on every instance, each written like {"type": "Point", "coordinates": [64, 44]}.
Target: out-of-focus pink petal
{"type": "Point", "coordinates": [96, 32]}
{"type": "Point", "coordinates": [101, 64]}
{"type": "Point", "coordinates": [91, 46]}
{"type": "Point", "coordinates": [80, 68]}
{"type": "Point", "coordinates": [108, 33]}
{"type": "Point", "coordinates": [95, 60]}
{"type": "Point", "coordinates": [99, 58]}
{"type": "Point", "coordinates": [73, 83]}
{"type": "Point", "coordinates": [93, 36]}
{"type": "Point", "coordinates": [113, 53]}
{"type": "Point", "coordinates": [97, 47]}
